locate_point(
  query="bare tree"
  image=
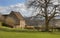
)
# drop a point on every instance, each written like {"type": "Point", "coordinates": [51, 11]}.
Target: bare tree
{"type": "Point", "coordinates": [46, 8]}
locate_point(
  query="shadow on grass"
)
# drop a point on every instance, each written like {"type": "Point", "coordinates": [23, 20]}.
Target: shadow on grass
{"type": "Point", "coordinates": [27, 31]}
{"type": "Point", "coordinates": [16, 30]}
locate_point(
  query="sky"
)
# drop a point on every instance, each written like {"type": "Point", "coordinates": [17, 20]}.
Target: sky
{"type": "Point", "coordinates": [6, 6]}
{"type": "Point", "coordinates": [10, 2]}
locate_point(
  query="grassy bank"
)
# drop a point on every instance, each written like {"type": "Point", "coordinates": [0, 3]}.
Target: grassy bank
{"type": "Point", "coordinates": [6, 32]}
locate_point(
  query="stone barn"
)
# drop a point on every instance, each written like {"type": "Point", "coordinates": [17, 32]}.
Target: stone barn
{"type": "Point", "coordinates": [14, 20]}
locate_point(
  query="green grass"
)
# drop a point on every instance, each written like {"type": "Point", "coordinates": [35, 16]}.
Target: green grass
{"type": "Point", "coordinates": [4, 34]}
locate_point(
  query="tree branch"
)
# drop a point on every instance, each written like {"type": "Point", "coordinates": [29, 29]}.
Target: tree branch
{"type": "Point", "coordinates": [52, 15]}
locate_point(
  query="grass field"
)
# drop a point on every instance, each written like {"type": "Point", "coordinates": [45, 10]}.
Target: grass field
{"type": "Point", "coordinates": [4, 34]}
{"type": "Point", "coordinates": [9, 33]}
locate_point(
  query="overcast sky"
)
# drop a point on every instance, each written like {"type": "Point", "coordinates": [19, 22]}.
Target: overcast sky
{"type": "Point", "coordinates": [6, 6]}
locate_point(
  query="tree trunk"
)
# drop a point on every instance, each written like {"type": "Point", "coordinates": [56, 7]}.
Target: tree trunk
{"type": "Point", "coordinates": [46, 25]}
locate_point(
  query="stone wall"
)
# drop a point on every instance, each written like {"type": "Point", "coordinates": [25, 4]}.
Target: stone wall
{"type": "Point", "coordinates": [22, 24]}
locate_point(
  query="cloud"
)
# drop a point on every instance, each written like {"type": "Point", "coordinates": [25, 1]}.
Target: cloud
{"type": "Point", "coordinates": [20, 7]}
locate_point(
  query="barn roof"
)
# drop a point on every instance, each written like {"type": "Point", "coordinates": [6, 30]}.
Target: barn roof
{"type": "Point", "coordinates": [18, 15]}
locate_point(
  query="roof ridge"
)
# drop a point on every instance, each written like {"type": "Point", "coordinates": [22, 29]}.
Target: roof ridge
{"type": "Point", "coordinates": [18, 14]}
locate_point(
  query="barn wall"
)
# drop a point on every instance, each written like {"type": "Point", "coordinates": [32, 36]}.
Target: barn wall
{"type": "Point", "coordinates": [22, 24]}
